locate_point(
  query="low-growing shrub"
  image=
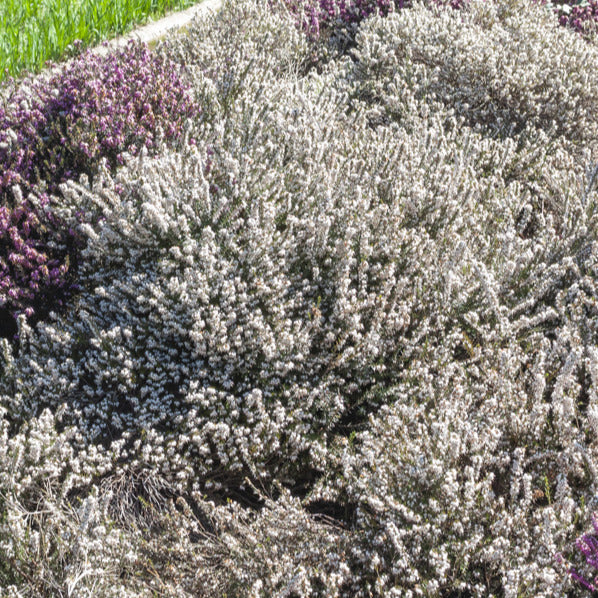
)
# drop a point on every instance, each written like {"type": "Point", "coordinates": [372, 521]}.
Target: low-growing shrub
{"type": "Point", "coordinates": [57, 127]}
{"type": "Point", "coordinates": [325, 17]}
{"type": "Point", "coordinates": [441, 57]}
{"type": "Point", "coordinates": [320, 19]}
{"type": "Point", "coordinates": [418, 61]}
{"type": "Point", "coordinates": [340, 342]}
{"type": "Point", "coordinates": [233, 57]}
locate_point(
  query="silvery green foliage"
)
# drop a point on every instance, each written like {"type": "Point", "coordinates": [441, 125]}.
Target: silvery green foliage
{"type": "Point", "coordinates": [360, 312]}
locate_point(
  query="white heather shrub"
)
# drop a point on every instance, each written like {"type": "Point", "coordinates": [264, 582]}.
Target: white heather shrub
{"type": "Point", "coordinates": [341, 342]}
{"type": "Point", "coordinates": [54, 540]}
{"type": "Point", "coordinates": [503, 66]}
{"type": "Point", "coordinates": [507, 68]}
{"type": "Point", "coordinates": [281, 550]}
{"type": "Point", "coordinates": [246, 45]}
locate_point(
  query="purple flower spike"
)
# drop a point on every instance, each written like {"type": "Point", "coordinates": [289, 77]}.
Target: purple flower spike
{"type": "Point", "coordinates": [588, 546]}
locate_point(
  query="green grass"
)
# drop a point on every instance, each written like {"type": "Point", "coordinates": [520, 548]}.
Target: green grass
{"type": "Point", "coordinates": [34, 31]}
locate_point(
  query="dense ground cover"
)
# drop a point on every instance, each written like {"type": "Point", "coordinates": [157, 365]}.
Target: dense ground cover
{"type": "Point", "coordinates": [334, 334]}
{"type": "Point", "coordinates": [35, 31]}
{"type": "Point", "coordinates": [63, 126]}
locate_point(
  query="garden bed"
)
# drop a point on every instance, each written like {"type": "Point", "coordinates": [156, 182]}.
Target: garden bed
{"type": "Point", "coordinates": [303, 302]}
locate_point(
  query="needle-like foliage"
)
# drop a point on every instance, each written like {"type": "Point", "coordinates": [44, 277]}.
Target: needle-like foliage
{"type": "Point", "coordinates": [340, 341]}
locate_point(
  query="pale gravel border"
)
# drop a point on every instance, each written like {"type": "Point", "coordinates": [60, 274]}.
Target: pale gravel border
{"type": "Point", "coordinates": [154, 31]}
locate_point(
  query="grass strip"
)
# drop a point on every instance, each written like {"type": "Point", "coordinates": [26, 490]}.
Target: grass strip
{"type": "Point", "coordinates": [35, 31]}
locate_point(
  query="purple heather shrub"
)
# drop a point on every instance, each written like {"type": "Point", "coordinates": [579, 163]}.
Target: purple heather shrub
{"type": "Point", "coordinates": [58, 127]}
{"type": "Point", "coordinates": [581, 15]}
{"type": "Point", "coordinates": [316, 16]}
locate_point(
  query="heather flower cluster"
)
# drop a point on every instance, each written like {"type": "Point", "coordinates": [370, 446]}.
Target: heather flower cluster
{"type": "Point", "coordinates": [318, 16]}
{"type": "Point", "coordinates": [323, 17]}
{"type": "Point", "coordinates": [59, 127]}
{"type": "Point", "coordinates": [339, 341]}
{"type": "Point", "coordinates": [580, 15]}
